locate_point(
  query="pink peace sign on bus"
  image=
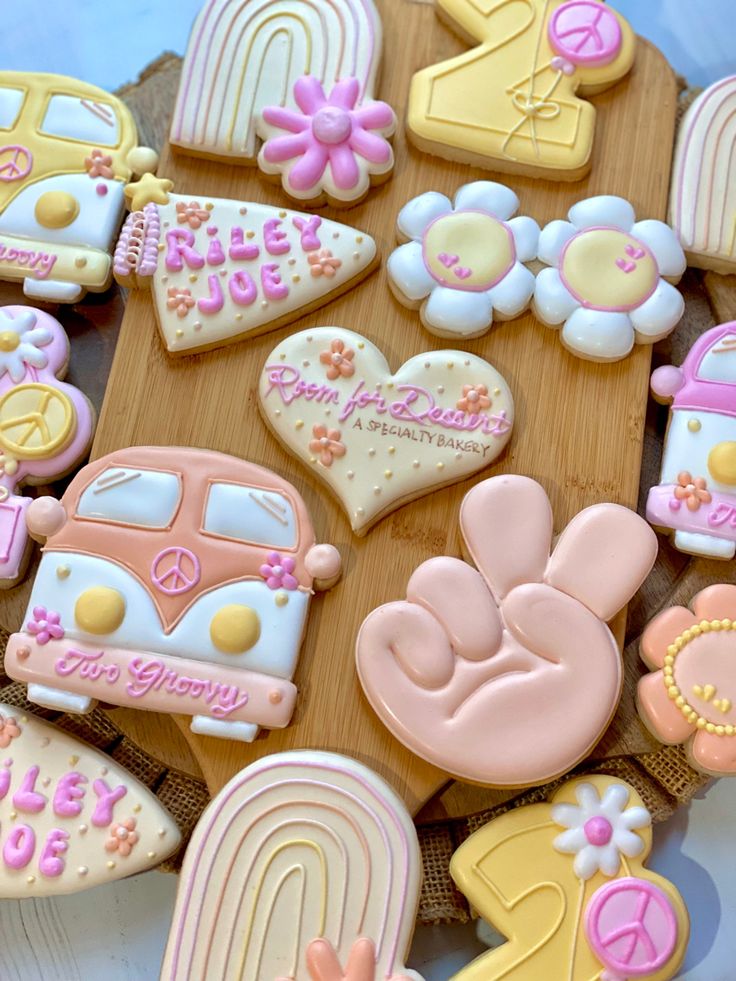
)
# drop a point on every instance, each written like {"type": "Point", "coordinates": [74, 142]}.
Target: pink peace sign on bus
{"type": "Point", "coordinates": [631, 927]}
{"type": "Point", "coordinates": [585, 32]}
{"type": "Point", "coordinates": [15, 163]}
{"type": "Point", "coordinates": [175, 571]}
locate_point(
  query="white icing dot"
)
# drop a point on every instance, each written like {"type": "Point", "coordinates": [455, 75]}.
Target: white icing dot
{"type": "Point", "coordinates": [111, 865]}
{"type": "Point", "coordinates": [416, 464]}
{"type": "Point", "coordinates": [371, 452]}
{"type": "Point", "coordinates": [440, 466]}
{"type": "Point", "coordinates": [31, 879]}
{"type": "Point", "coordinates": [376, 490]}
{"type": "Point", "coordinates": [360, 512]}
{"type": "Point", "coordinates": [336, 235]}
{"type": "Point", "coordinates": [151, 854]}
{"type": "Point", "coordinates": [351, 474]}
{"type": "Point", "coordinates": [82, 829]}
{"type": "Point", "coordinates": [82, 870]}
{"type": "Point", "coordinates": [277, 412]}
{"type": "Point", "coordinates": [305, 364]}
{"type": "Point", "coordinates": [162, 832]}
{"type": "Point", "coordinates": [441, 389]}
{"type": "Point", "coordinates": [264, 304]}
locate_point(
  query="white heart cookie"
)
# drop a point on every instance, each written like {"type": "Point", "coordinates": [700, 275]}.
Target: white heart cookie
{"type": "Point", "coordinates": [381, 439]}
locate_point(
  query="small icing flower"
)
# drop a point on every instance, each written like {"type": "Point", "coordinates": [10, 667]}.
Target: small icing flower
{"type": "Point", "coordinates": [326, 444]}
{"type": "Point", "coordinates": [692, 492]}
{"type": "Point", "coordinates": [339, 360]}
{"type": "Point", "coordinates": [600, 831]}
{"type": "Point", "coordinates": [99, 164]}
{"type": "Point", "coordinates": [45, 625]}
{"type": "Point", "coordinates": [323, 263]}
{"type": "Point", "coordinates": [180, 299]}
{"type": "Point", "coordinates": [191, 214]}
{"type": "Point", "coordinates": [463, 265]}
{"type": "Point", "coordinates": [331, 143]}
{"type": "Point", "coordinates": [20, 341]}
{"type": "Point", "coordinates": [278, 572]}
{"type": "Point", "coordinates": [607, 279]}
{"type": "Point", "coordinates": [123, 837]}
{"type": "Point", "coordinates": [9, 730]}
{"type": "Point", "coordinates": [475, 397]}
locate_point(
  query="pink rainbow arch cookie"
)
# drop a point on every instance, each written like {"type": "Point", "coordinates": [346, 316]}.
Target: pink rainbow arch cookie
{"type": "Point", "coordinates": [173, 580]}
{"type": "Point", "coordinates": [609, 279]}
{"type": "Point", "coordinates": [462, 263]}
{"type": "Point", "coordinates": [298, 75]}
{"type": "Point", "coordinates": [703, 193]}
{"type": "Point", "coordinates": [695, 500]}
{"type": "Point", "coordinates": [222, 270]}
{"type": "Point", "coordinates": [70, 817]}
{"type": "Point", "coordinates": [516, 102]}
{"type": "Point", "coordinates": [690, 696]}
{"type": "Point", "coordinates": [379, 438]}
{"type": "Point", "coordinates": [46, 425]}
{"type": "Point", "coordinates": [305, 867]}
{"type": "Point", "coordinates": [506, 674]}
{"type": "Point", "coordinates": [565, 882]}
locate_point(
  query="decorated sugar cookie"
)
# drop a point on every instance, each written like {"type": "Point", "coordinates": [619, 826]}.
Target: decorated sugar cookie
{"type": "Point", "coordinates": [299, 75]}
{"type": "Point", "coordinates": [703, 192]}
{"type": "Point", "coordinates": [462, 265]}
{"type": "Point", "coordinates": [305, 867]}
{"type": "Point", "coordinates": [695, 500]}
{"type": "Point", "coordinates": [70, 817]}
{"type": "Point", "coordinates": [690, 697]}
{"type": "Point", "coordinates": [609, 281]}
{"type": "Point", "coordinates": [174, 580]}
{"type": "Point", "coordinates": [69, 149]}
{"type": "Point", "coordinates": [516, 103]}
{"type": "Point", "coordinates": [46, 425]}
{"type": "Point", "coordinates": [566, 883]}
{"type": "Point", "coordinates": [224, 270]}
{"type": "Point", "coordinates": [380, 439]}
{"type": "Point", "coordinates": [506, 674]}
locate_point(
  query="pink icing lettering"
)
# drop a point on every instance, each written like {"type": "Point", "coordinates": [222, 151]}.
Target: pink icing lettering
{"type": "Point", "coordinates": [723, 514]}
{"type": "Point", "coordinates": [4, 782]}
{"type": "Point", "coordinates": [49, 863]}
{"type": "Point", "coordinates": [215, 255]}
{"type": "Point", "coordinates": [239, 249]}
{"type": "Point", "coordinates": [290, 386]}
{"type": "Point", "coordinates": [215, 301]}
{"type": "Point", "coordinates": [73, 660]}
{"type": "Point", "coordinates": [273, 288]}
{"type": "Point", "coordinates": [360, 399]}
{"type": "Point", "coordinates": [68, 794]}
{"type": "Point", "coordinates": [419, 406]}
{"type": "Point", "coordinates": [153, 675]}
{"type": "Point", "coordinates": [179, 249]}
{"type": "Point", "coordinates": [242, 288]}
{"type": "Point", "coordinates": [103, 811]}
{"type": "Point", "coordinates": [308, 228]}
{"type": "Point", "coordinates": [26, 798]}
{"type": "Point", "coordinates": [20, 846]}
{"type": "Point", "coordinates": [276, 241]}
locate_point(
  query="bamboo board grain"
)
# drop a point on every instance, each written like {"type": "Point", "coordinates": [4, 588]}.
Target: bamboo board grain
{"type": "Point", "coordinates": [579, 426]}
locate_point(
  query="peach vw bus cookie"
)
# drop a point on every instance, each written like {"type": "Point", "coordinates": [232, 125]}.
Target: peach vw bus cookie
{"type": "Point", "coordinates": [174, 580]}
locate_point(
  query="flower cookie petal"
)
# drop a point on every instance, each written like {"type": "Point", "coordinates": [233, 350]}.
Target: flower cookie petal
{"type": "Point", "coordinates": [454, 312]}
{"type": "Point", "coordinates": [713, 753]}
{"type": "Point", "coordinates": [511, 296]}
{"type": "Point", "coordinates": [309, 94]}
{"type": "Point", "coordinates": [587, 797]}
{"type": "Point", "coordinates": [627, 842]}
{"type": "Point", "coordinates": [599, 335]}
{"type": "Point", "coordinates": [659, 315]}
{"type": "Point", "coordinates": [307, 172]}
{"type": "Point", "coordinates": [553, 301]}
{"type": "Point", "coordinates": [602, 211]}
{"type": "Point", "coordinates": [614, 801]}
{"type": "Point", "coordinates": [662, 631]}
{"type": "Point", "coordinates": [526, 237]}
{"type": "Point", "coordinates": [586, 862]}
{"type": "Point", "coordinates": [571, 841]}
{"type": "Point", "coordinates": [415, 216]}
{"type": "Point", "coordinates": [408, 272]}
{"type": "Point", "coordinates": [345, 170]}
{"type": "Point", "coordinates": [659, 713]}
{"type": "Point", "coordinates": [373, 148]}
{"type": "Point", "coordinates": [552, 240]}
{"type": "Point", "coordinates": [568, 816]}
{"type": "Point", "coordinates": [715, 603]}
{"type": "Point", "coordinates": [634, 818]}
{"type": "Point", "coordinates": [345, 93]}
{"type": "Point", "coordinates": [664, 245]}
{"type": "Point", "coordinates": [489, 196]}
{"type": "Point", "coordinates": [609, 859]}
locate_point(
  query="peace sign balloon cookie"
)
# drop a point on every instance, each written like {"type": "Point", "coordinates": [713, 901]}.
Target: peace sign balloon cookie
{"type": "Point", "coordinates": [565, 882]}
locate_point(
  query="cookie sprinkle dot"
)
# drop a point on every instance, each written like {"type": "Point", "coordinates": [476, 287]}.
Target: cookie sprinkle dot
{"type": "Point", "coordinates": [44, 742]}
{"type": "Point", "coordinates": [392, 450]}
{"type": "Point", "coordinates": [360, 345]}
{"type": "Point", "coordinates": [305, 364]}
{"type": "Point", "coordinates": [440, 465]}
{"type": "Point", "coordinates": [496, 391]}
{"type": "Point", "coordinates": [388, 474]}
{"type": "Point", "coordinates": [275, 697]}
{"type": "Point", "coordinates": [441, 389]}
{"type": "Point", "coordinates": [243, 211]}
{"type": "Point", "coordinates": [356, 256]}
{"type": "Point", "coordinates": [193, 278]}
{"type": "Point", "coordinates": [31, 879]}
{"type": "Point", "coordinates": [150, 854]}
{"type": "Point", "coordinates": [13, 815]}
{"type": "Point", "coordinates": [296, 279]}
{"type": "Point", "coordinates": [111, 865]}
{"type": "Point", "coordinates": [179, 332]}
{"type": "Point", "coordinates": [292, 261]}
{"type": "Point", "coordinates": [238, 316]}
{"type": "Point", "coordinates": [82, 829]}
{"type": "Point", "coordinates": [694, 425]}
{"type": "Point", "coordinates": [73, 760]}
{"type": "Point", "coordinates": [282, 214]}
{"type": "Point", "coordinates": [136, 808]}
{"type": "Point", "coordinates": [351, 474]}
{"type": "Point", "coordinates": [371, 452]}
{"type": "Point", "coordinates": [299, 424]}
{"type": "Point", "coordinates": [359, 239]}
{"type": "Point", "coordinates": [250, 234]}
{"type": "Point", "coordinates": [416, 464]}
{"type": "Point", "coordinates": [281, 598]}
{"type": "Point", "coordinates": [264, 304]}
{"type": "Point", "coordinates": [82, 870]}
{"type": "Point", "coordinates": [161, 832]}
{"type": "Point", "coordinates": [360, 512]}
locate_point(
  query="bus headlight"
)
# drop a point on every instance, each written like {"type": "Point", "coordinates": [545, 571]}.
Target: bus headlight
{"type": "Point", "coordinates": [99, 610]}
{"type": "Point", "coordinates": [235, 629]}
{"type": "Point", "coordinates": [56, 209]}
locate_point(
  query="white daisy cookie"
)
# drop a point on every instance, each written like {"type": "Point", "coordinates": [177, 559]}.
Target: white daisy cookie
{"type": "Point", "coordinates": [610, 279]}
{"type": "Point", "coordinates": [462, 265]}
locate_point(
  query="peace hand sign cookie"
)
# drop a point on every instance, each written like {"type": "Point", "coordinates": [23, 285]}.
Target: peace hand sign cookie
{"type": "Point", "coordinates": [506, 674]}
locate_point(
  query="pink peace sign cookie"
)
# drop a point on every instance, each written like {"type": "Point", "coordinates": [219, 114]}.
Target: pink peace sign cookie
{"type": "Point", "coordinates": [175, 571]}
{"type": "Point", "coordinates": [586, 33]}
{"type": "Point", "coordinates": [15, 163]}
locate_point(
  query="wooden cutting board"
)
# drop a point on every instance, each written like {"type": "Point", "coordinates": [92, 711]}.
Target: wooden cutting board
{"type": "Point", "coordinates": [579, 426]}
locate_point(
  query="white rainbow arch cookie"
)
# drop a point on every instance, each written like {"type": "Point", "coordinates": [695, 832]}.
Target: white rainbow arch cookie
{"type": "Point", "coordinates": [305, 867]}
{"type": "Point", "coordinates": [703, 194]}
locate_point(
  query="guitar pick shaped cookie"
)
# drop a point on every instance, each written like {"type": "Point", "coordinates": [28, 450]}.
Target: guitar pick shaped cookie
{"type": "Point", "coordinates": [305, 867]}
{"type": "Point", "coordinates": [380, 439]}
{"type": "Point", "coordinates": [70, 817]}
{"type": "Point", "coordinates": [507, 674]}
{"type": "Point", "coordinates": [565, 882]}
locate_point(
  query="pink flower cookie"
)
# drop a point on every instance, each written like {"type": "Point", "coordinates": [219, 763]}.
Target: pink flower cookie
{"type": "Point", "coordinates": [326, 822]}
{"type": "Point", "coordinates": [690, 697]}
{"type": "Point", "coordinates": [516, 649]}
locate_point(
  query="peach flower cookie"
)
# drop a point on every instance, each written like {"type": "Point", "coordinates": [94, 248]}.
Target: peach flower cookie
{"type": "Point", "coordinates": [305, 866]}
{"type": "Point", "coordinates": [565, 882]}
{"type": "Point", "coordinates": [695, 500]}
{"type": "Point", "coordinates": [462, 265]}
{"type": "Point", "coordinates": [172, 580]}
{"type": "Point", "coordinates": [70, 817]}
{"type": "Point", "coordinates": [379, 438]}
{"type": "Point", "coordinates": [517, 647]}
{"type": "Point", "coordinates": [610, 279]}
{"type": "Point", "coordinates": [690, 698]}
